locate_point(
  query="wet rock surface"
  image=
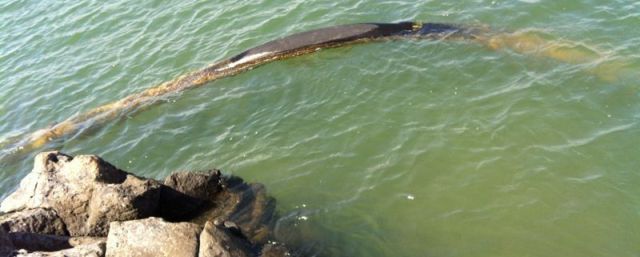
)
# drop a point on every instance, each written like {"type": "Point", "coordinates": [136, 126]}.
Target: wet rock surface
{"type": "Point", "coordinates": [218, 240]}
{"type": "Point", "coordinates": [186, 193]}
{"type": "Point", "coordinates": [84, 206]}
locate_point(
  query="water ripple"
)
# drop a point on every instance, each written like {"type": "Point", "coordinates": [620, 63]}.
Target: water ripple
{"type": "Point", "coordinates": [417, 147]}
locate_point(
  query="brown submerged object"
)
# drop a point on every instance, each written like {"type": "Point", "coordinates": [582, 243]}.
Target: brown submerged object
{"type": "Point", "coordinates": [291, 46]}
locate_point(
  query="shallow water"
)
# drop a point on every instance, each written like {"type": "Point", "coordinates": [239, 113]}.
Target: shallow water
{"type": "Point", "coordinates": [406, 148]}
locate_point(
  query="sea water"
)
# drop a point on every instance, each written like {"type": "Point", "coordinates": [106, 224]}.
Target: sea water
{"type": "Point", "coordinates": [398, 148]}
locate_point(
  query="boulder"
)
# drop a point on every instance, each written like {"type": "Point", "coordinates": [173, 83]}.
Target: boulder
{"type": "Point", "coordinates": [6, 246]}
{"type": "Point", "coordinates": [274, 250]}
{"type": "Point", "coordinates": [153, 237]}
{"type": "Point", "coordinates": [87, 250]}
{"type": "Point", "coordinates": [84, 206]}
{"type": "Point", "coordinates": [247, 205]}
{"type": "Point", "coordinates": [40, 242]}
{"type": "Point", "coordinates": [185, 194]}
{"type": "Point", "coordinates": [216, 241]}
{"type": "Point", "coordinates": [86, 192]}
{"type": "Point", "coordinates": [134, 198]}
{"type": "Point", "coordinates": [256, 214]}
{"type": "Point", "coordinates": [38, 220]}
{"type": "Point", "coordinates": [201, 186]}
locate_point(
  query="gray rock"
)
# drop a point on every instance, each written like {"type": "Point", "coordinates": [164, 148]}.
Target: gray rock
{"type": "Point", "coordinates": [6, 246]}
{"type": "Point", "coordinates": [153, 237]}
{"type": "Point", "coordinates": [253, 211]}
{"type": "Point", "coordinates": [38, 220]}
{"type": "Point", "coordinates": [86, 240]}
{"type": "Point", "coordinates": [134, 198]}
{"type": "Point", "coordinates": [67, 206]}
{"type": "Point", "coordinates": [40, 242]}
{"type": "Point", "coordinates": [86, 192]}
{"type": "Point", "coordinates": [274, 250]}
{"type": "Point", "coordinates": [201, 186]}
{"type": "Point", "coordinates": [186, 193]}
{"type": "Point", "coordinates": [258, 220]}
{"type": "Point", "coordinates": [246, 205]}
{"type": "Point", "coordinates": [86, 250]}
{"type": "Point", "coordinates": [218, 242]}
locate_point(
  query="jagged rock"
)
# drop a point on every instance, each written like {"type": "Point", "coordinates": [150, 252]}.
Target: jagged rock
{"type": "Point", "coordinates": [38, 220]}
{"type": "Point", "coordinates": [186, 193]}
{"type": "Point", "coordinates": [86, 250]}
{"type": "Point", "coordinates": [153, 237]}
{"type": "Point", "coordinates": [247, 205]}
{"type": "Point", "coordinates": [6, 246]}
{"type": "Point", "coordinates": [274, 250]}
{"type": "Point", "coordinates": [256, 217]}
{"type": "Point", "coordinates": [201, 186]}
{"type": "Point", "coordinates": [41, 242]}
{"type": "Point", "coordinates": [217, 242]}
{"type": "Point", "coordinates": [65, 200]}
{"type": "Point", "coordinates": [86, 192]}
{"type": "Point", "coordinates": [132, 199]}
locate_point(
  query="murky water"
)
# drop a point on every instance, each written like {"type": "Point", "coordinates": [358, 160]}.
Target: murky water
{"type": "Point", "coordinates": [405, 148]}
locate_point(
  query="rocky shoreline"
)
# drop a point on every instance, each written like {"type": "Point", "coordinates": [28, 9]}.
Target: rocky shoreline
{"type": "Point", "coordinates": [84, 206]}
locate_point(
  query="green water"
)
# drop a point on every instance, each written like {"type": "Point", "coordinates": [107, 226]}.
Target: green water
{"type": "Point", "coordinates": [406, 148]}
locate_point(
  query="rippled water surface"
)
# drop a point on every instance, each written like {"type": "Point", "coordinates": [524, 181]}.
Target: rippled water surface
{"type": "Point", "coordinates": [404, 148]}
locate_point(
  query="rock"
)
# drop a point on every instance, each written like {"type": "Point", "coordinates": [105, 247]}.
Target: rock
{"type": "Point", "coordinates": [134, 198]}
{"type": "Point", "coordinates": [67, 206]}
{"type": "Point", "coordinates": [246, 205]}
{"type": "Point", "coordinates": [175, 206]}
{"type": "Point", "coordinates": [254, 212]}
{"type": "Point", "coordinates": [40, 242]}
{"type": "Point", "coordinates": [260, 219]}
{"type": "Point", "coordinates": [86, 240]}
{"type": "Point", "coordinates": [6, 246]}
{"type": "Point", "coordinates": [274, 250]}
{"type": "Point", "coordinates": [232, 227]}
{"type": "Point", "coordinates": [201, 186]}
{"type": "Point", "coordinates": [217, 242]}
{"type": "Point", "coordinates": [186, 193]}
{"type": "Point", "coordinates": [38, 220]}
{"type": "Point", "coordinates": [86, 192]}
{"type": "Point", "coordinates": [152, 237]}
{"type": "Point", "coordinates": [87, 250]}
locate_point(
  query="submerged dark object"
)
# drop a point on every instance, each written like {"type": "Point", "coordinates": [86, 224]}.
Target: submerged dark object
{"type": "Point", "coordinates": [345, 34]}
{"type": "Point", "coordinates": [331, 37]}
{"type": "Point", "coordinates": [300, 44]}
{"type": "Point", "coordinates": [290, 46]}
